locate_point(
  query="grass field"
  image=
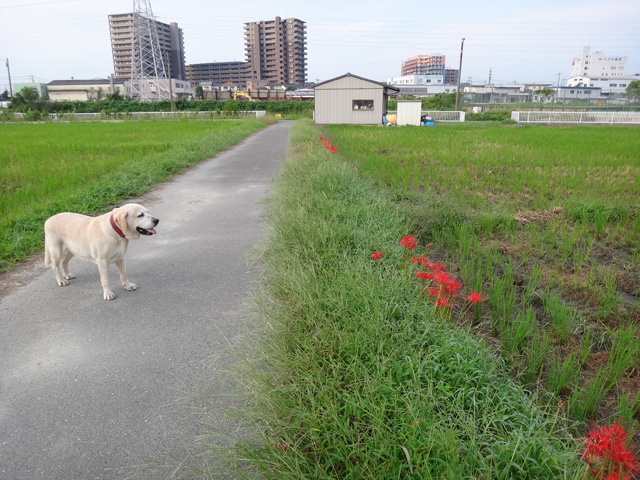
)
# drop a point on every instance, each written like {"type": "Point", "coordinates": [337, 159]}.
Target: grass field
{"type": "Point", "coordinates": [545, 222]}
{"type": "Point", "coordinates": [89, 167]}
{"type": "Point", "coordinates": [358, 375]}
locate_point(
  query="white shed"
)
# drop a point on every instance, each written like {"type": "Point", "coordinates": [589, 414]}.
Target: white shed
{"type": "Point", "coordinates": [409, 112]}
{"type": "Point", "coordinates": [350, 99]}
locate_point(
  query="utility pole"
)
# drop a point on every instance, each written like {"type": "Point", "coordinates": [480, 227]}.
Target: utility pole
{"type": "Point", "coordinates": [459, 74]}
{"type": "Point", "coordinates": [9, 74]}
{"type": "Point", "coordinates": [169, 78]}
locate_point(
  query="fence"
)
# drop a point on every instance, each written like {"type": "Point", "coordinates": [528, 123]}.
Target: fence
{"type": "Point", "coordinates": [441, 116]}
{"type": "Point", "coordinates": [577, 117]}
{"type": "Point", "coordinates": [146, 115]}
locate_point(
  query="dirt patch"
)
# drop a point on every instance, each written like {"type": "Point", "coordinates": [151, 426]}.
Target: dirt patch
{"type": "Point", "coordinates": [22, 274]}
{"type": "Point", "coordinates": [537, 217]}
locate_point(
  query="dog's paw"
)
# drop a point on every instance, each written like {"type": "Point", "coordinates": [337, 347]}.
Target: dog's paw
{"type": "Point", "coordinates": [69, 276]}
{"type": "Point", "coordinates": [130, 286]}
{"type": "Point", "coordinates": [63, 283]}
{"type": "Point", "coordinates": [109, 295]}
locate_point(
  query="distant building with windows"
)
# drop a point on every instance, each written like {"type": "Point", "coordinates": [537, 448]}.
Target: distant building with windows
{"type": "Point", "coordinates": [276, 51]}
{"type": "Point", "coordinates": [433, 64]}
{"type": "Point", "coordinates": [451, 76]}
{"type": "Point", "coordinates": [218, 72]}
{"type": "Point", "coordinates": [597, 70]}
{"type": "Point", "coordinates": [171, 41]}
{"type": "Point", "coordinates": [597, 64]}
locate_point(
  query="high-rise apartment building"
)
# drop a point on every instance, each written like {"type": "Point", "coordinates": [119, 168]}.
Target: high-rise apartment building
{"type": "Point", "coordinates": [597, 64]}
{"type": "Point", "coordinates": [171, 46]}
{"type": "Point", "coordinates": [424, 65]}
{"type": "Point", "coordinates": [276, 51]}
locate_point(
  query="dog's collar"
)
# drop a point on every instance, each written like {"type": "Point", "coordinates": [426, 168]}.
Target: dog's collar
{"type": "Point", "coordinates": [115, 227]}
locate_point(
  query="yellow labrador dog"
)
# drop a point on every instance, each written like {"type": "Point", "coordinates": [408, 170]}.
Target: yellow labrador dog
{"type": "Point", "coordinates": [102, 240]}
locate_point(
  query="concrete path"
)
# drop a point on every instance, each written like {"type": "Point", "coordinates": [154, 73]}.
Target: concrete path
{"type": "Point", "coordinates": [91, 389]}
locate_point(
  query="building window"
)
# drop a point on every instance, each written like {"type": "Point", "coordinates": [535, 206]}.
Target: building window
{"type": "Point", "coordinates": [362, 105]}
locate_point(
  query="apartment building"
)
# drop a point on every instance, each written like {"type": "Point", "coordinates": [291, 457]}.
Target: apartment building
{"type": "Point", "coordinates": [171, 41]}
{"type": "Point", "coordinates": [424, 65]}
{"type": "Point", "coordinates": [276, 51]}
{"type": "Point", "coordinates": [218, 72]}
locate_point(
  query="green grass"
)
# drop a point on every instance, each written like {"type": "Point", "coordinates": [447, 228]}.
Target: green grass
{"type": "Point", "coordinates": [356, 376]}
{"type": "Point", "coordinates": [544, 220]}
{"type": "Point", "coordinates": [89, 167]}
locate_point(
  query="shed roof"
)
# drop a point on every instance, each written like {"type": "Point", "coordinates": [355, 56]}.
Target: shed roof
{"type": "Point", "coordinates": [384, 85]}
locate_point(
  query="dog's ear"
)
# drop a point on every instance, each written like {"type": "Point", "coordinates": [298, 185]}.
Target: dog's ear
{"type": "Point", "coordinates": [120, 216]}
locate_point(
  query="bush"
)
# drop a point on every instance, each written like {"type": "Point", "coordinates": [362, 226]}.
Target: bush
{"type": "Point", "coordinates": [491, 116]}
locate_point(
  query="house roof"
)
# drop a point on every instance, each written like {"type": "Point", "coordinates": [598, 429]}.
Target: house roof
{"type": "Point", "coordinates": [384, 85]}
{"type": "Point", "coordinates": [93, 81]}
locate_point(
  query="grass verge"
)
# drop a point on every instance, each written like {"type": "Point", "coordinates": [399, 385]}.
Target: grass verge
{"type": "Point", "coordinates": [90, 167]}
{"type": "Point", "coordinates": [356, 376]}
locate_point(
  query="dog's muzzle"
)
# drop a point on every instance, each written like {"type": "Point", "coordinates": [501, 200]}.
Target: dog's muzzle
{"type": "Point", "coordinates": [148, 231]}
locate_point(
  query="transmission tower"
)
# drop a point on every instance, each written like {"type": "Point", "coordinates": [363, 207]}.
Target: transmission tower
{"type": "Point", "coordinates": [149, 80]}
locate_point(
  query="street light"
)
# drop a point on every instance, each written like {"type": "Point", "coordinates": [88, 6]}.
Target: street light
{"type": "Point", "coordinates": [459, 74]}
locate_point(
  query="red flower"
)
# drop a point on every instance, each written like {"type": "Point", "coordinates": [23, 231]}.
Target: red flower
{"type": "Point", "coordinates": [475, 298]}
{"type": "Point", "coordinates": [606, 446]}
{"type": "Point", "coordinates": [319, 137]}
{"type": "Point", "coordinates": [355, 170]}
{"type": "Point", "coordinates": [442, 303]}
{"type": "Point", "coordinates": [420, 260]}
{"type": "Point", "coordinates": [409, 242]}
{"type": "Point", "coordinates": [434, 292]}
{"type": "Point", "coordinates": [424, 275]}
{"type": "Point", "coordinates": [376, 256]}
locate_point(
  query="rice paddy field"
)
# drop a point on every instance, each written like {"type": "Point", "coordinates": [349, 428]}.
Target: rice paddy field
{"type": "Point", "coordinates": [544, 223]}
{"type": "Point", "coordinates": [47, 168]}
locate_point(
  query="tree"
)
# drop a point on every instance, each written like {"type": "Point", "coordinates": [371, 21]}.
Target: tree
{"type": "Point", "coordinates": [633, 91]}
{"type": "Point", "coordinates": [4, 96]}
{"type": "Point", "coordinates": [544, 94]}
{"type": "Point", "coordinates": [27, 98]}
{"type": "Point", "coordinates": [199, 92]}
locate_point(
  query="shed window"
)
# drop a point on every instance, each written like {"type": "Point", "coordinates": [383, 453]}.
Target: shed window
{"type": "Point", "coordinates": [362, 105]}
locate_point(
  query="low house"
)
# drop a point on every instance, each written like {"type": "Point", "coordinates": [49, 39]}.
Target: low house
{"type": "Point", "coordinates": [350, 99]}
{"type": "Point", "coordinates": [83, 90]}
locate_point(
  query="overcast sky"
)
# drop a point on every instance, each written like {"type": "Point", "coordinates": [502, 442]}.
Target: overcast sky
{"type": "Point", "coordinates": [515, 41]}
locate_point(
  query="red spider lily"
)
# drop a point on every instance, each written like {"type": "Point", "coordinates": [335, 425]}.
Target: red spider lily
{"type": "Point", "coordinates": [420, 260]}
{"type": "Point", "coordinates": [424, 275]}
{"type": "Point", "coordinates": [319, 137]}
{"type": "Point", "coordinates": [442, 303]}
{"type": "Point", "coordinates": [355, 170]}
{"type": "Point", "coordinates": [434, 292]}
{"type": "Point", "coordinates": [437, 266]}
{"type": "Point", "coordinates": [376, 256]}
{"type": "Point", "coordinates": [606, 453]}
{"type": "Point", "coordinates": [409, 242]}
{"type": "Point", "coordinates": [475, 298]}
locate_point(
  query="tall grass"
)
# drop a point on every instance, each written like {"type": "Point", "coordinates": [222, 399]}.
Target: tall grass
{"type": "Point", "coordinates": [544, 220]}
{"type": "Point", "coordinates": [87, 167]}
{"type": "Point", "coordinates": [355, 377]}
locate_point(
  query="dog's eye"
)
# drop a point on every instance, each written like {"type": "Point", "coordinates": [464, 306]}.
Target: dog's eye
{"type": "Point", "coordinates": [141, 214]}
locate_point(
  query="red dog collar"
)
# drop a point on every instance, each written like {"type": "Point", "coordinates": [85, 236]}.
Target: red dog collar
{"type": "Point", "coordinates": [115, 227]}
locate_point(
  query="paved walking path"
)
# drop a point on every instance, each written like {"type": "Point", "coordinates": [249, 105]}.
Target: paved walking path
{"type": "Point", "coordinates": [91, 389]}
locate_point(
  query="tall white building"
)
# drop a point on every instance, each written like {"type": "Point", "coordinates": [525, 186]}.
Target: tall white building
{"type": "Point", "coordinates": [597, 70]}
{"type": "Point", "coordinates": [597, 64]}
